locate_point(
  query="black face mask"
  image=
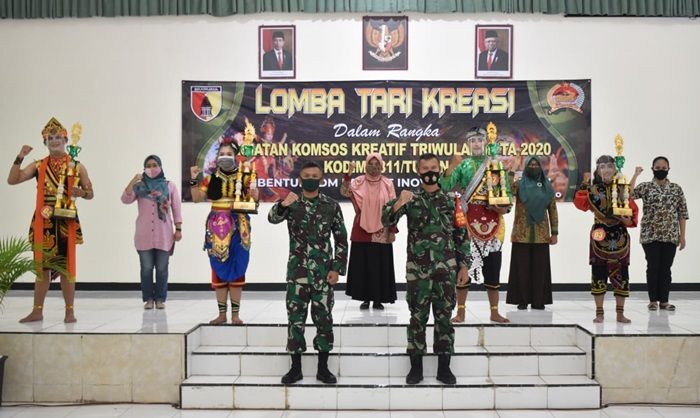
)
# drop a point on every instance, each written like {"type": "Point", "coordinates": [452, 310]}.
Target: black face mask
{"type": "Point", "coordinates": [310, 185]}
{"type": "Point", "coordinates": [533, 172]}
{"type": "Point", "coordinates": [430, 178]}
{"type": "Point", "coordinates": [660, 174]}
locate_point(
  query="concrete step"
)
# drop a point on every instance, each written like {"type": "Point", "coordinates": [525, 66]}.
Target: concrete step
{"type": "Point", "coordinates": [391, 393]}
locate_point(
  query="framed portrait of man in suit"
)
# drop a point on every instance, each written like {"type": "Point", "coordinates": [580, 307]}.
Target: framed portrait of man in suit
{"type": "Point", "coordinates": [385, 43]}
{"type": "Point", "coordinates": [277, 51]}
{"type": "Point", "coordinates": [493, 57]}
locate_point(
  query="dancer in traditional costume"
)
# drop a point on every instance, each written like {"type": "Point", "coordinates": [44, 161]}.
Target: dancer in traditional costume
{"type": "Point", "coordinates": [484, 221]}
{"type": "Point", "coordinates": [227, 234]}
{"type": "Point", "coordinates": [609, 254]}
{"type": "Point", "coordinates": [60, 179]}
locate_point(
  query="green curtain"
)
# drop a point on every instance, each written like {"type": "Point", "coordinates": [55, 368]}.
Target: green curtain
{"type": "Point", "coordinates": [46, 9]}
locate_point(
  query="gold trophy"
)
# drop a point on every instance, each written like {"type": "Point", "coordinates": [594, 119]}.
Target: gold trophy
{"type": "Point", "coordinates": [620, 199]}
{"type": "Point", "coordinates": [65, 205]}
{"type": "Point", "coordinates": [500, 196]}
{"type": "Point", "coordinates": [244, 203]}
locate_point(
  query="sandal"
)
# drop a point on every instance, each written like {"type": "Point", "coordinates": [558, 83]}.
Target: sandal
{"type": "Point", "coordinates": [652, 306]}
{"type": "Point", "coordinates": [667, 307]}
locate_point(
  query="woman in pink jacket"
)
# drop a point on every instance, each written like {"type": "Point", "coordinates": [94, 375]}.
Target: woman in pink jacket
{"type": "Point", "coordinates": [159, 209]}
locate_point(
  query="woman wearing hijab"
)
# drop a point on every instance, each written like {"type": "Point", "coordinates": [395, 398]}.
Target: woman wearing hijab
{"type": "Point", "coordinates": [158, 210]}
{"type": "Point", "coordinates": [371, 267]}
{"type": "Point", "coordinates": [535, 228]}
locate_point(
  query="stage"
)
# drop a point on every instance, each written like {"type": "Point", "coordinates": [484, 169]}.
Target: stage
{"type": "Point", "coordinates": [557, 358]}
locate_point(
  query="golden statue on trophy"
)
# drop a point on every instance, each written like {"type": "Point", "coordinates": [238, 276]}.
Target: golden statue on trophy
{"type": "Point", "coordinates": [497, 192]}
{"type": "Point", "coordinates": [244, 203]}
{"type": "Point", "coordinates": [620, 186]}
{"type": "Point", "coordinates": [65, 202]}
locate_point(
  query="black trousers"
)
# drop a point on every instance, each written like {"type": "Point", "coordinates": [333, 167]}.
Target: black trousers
{"type": "Point", "coordinates": [659, 257]}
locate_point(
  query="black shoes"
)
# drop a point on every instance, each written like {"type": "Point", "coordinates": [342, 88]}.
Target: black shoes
{"type": "Point", "coordinates": [444, 374]}
{"type": "Point", "coordinates": [522, 306]}
{"type": "Point", "coordinates": [323, 374]}
{"type": "Point", "coordinates": [377, 305]}
{"type": "Point", "coordinates": [294, 374]}
{"type": "Point", "coordinates": [364, 305]}
{"type": "Point", "coordinates": [415, 375]}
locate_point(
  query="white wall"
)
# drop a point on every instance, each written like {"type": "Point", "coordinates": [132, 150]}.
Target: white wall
{"type": "Point", "coordinates": [121, 79]}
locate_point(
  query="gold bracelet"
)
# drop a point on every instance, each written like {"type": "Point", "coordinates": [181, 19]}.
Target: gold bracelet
{"type": "Point", "coordinates": [494, 308]}
{"type": "Point", "coordinates": [460, 306]}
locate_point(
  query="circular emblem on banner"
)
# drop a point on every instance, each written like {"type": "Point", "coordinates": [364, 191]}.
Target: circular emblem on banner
{"type": "Point", "coordinates": [565, 95]}
{"type": "Point", "coordinates": [598, 234]}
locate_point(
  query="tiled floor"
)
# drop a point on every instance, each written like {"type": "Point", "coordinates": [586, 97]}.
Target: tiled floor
{"type": "Point", "coordinates": [122, 312]}
{"type": "Point", "coordinates": [167, 411]}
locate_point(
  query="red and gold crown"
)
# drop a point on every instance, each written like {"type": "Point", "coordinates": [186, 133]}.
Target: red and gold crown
{"type": "Point", "coordinates": [54, 127]}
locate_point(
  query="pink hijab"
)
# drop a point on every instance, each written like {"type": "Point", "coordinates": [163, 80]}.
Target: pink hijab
{"type": "Point", "coordinates": [370, 194]}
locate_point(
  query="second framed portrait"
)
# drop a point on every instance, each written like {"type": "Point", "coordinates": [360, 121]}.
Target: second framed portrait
{"type": "Point", "coordinates": [385, 43]}
{"type": "Point", "coordinates": [277, 51]}
{"type": "Point", "coordinates": [493, 55]}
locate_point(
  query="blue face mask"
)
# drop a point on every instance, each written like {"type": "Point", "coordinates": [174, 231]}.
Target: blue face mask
{"type": "Point", "coordinates": [310, 185]}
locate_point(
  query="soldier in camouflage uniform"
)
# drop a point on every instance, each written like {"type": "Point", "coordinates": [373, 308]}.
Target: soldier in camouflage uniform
{"type": "Point", "coordinates": [437, 257]}
{"type": "Point", "coordinates": [312, 270]}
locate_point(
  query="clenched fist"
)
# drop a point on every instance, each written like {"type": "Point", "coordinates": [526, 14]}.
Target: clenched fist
{"type": "Point", "coordinates": [26, 149]}
{"type": "Point", "coordinates": [405, 196]}
{"type": "Point", "coordinates": [586, 178]}
{"type": "Point", "coordinates": [291, 198]}
{"type": "Point", "coordinates": [194, 172]}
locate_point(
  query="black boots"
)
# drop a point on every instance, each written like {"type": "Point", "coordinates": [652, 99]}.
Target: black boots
{"type": "Point", "coordinates": [294, 374]}
{"type": "Point", "coordinates": [444, 374]}
{"type": "Point", "coordinates": [415, 375]}
{"type": "Point", "coordinates": [323, 374]}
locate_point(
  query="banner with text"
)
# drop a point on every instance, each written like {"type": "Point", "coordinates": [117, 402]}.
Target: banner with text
{"type": "Point", "coordinates": [337, 124]}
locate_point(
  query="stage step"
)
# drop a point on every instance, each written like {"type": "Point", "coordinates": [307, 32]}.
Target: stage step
{"type": "Point", "coordinates": [383, 393]}
{"type": "Point", "coordinates": [507, 367]}
{"type": "Point", "coordinates": [393, 335]}
{"type": "Point", "coordinates": [391, 361]}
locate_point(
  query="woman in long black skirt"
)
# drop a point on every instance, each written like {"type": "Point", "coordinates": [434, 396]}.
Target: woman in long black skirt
{"type": "Point", "coordinates": [534, 230]}
{"type": "Point", "coordinates": [371, 268]}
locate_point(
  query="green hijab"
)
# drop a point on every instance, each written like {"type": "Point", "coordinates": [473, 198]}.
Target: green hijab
{"type": "Point", "coordinates": [535, 192]}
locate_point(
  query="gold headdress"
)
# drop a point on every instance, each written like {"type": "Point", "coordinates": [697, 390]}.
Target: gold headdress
{"type": "Point", "coordinates": [54, 127]}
